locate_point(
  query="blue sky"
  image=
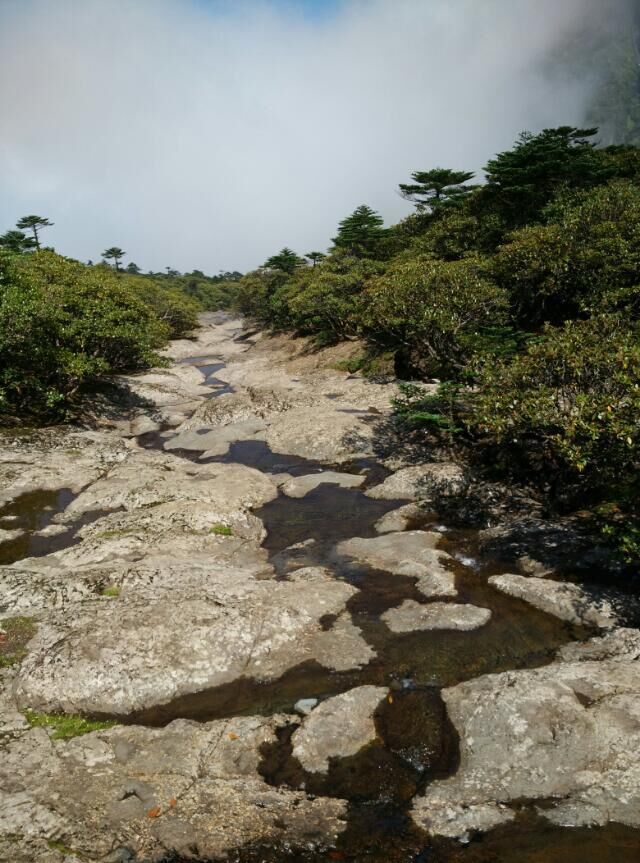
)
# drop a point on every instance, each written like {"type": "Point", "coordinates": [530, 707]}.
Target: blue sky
{"type": "Point", "coordinates": [314, 10]}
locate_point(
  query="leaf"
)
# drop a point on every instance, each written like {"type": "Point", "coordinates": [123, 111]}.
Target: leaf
{"type": "Point", "coordinates": [155, 812]}
{"type": "Point", "coordinates": [173, 803]}
{"type": "Point", "coordinates": [232, 735]}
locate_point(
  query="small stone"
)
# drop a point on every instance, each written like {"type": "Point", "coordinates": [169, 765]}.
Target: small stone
{"type": "Point", "coordinates": [305, 705]}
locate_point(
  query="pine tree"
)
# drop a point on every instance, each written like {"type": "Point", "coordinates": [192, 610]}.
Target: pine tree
{"type": "Point", "coordinates": [439, 187]}
{"type": "Point", "coordinates": [361, 234]}
{"type": "Point", "coordinates": [115, 254]}
{"type": "Point", "coordinates": [17, 241]}
{"type": "Point", "coordinates": [286, 260]}
{"type": "Point", "coordinates": [34, 222]}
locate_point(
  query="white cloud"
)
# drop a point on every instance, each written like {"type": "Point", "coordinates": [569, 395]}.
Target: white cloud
{"type": "Point", "coordinates": [208, 136]}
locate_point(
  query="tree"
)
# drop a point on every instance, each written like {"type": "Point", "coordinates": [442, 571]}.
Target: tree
{"type": "Point", "coordinates": [522, 181]}
{"type": "Point", "coordinates": [286, 260]}
{"type": "Point", "coordinates": [315, 257]}
{"type": "Point", "coordinates": [434, 189]}
{"type": "Point", "coordinates": [34, 222]}
{"type": "Point", "coordinates": [361, 234]}
{"type": "Point", "coordinates": [17, 241]}
{"type": "Point", "coordinates": [114, 253]}
{"type": "Point", "coordinates": [132, 268]}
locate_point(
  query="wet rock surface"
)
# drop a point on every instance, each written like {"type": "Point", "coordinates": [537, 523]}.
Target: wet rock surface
{"type": "Point", "coordinates": [411, 616]}
{"type": "Point", "coordinates": [223, 544]}
{"type": "Point", "coordinates": [339, 727]}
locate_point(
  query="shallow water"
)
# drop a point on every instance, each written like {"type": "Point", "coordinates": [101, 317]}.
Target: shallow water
{"type": "Point", "coordinates": [416, 742]}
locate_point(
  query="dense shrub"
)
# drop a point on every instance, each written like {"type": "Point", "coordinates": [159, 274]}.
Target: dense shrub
{"type": "Point", "coordinates": [62, 323]}
{"type": "Point", "coordinates": [437, 314]}
{"type": "Point", "coordinates": [587, 258]}
{"type": "Point", "coordinates": [177, 310]}
{"type": "Point", "coordinates": [569, 405]}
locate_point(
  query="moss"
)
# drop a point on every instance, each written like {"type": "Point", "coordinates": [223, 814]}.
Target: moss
{"type": "Point", "coordinates": [352, 365]}
{"type": "Point", "coordinates": [66, 726]}
{"type": "Point", "coordinates": [16, 633]}
{"type": "Point", "coordinates": [112, 590]}
{"type": "Point", "coordinates": [221, 529]}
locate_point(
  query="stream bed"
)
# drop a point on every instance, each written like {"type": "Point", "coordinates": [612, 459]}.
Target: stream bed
{"type": "Point", "coordinates": [416, 742]}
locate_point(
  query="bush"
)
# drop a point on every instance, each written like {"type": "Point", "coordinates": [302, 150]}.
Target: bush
{"type": "Point", "coordinates": [325, 300]}
{"type": "Point", "coordinates": [61, 324]}
{"type": "Point", "coordinates": [177, 310]}
{"type": "Point", "coordinates": [568, 406]}
{"type": "Point", "coordinates": [587, 258]}
{"type": "Point", "coordinates": [437, 314]}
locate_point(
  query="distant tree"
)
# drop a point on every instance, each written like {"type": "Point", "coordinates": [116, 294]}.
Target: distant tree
{"type": "Point", "coordinates": [89, 263]}
{"type": "Point", "coordinates": [315, 257]}
{"type": "Point", "coordinates": [115, 254]}
{"type": "Point", "coordinates": [17, 241]}
{"type": "Point", "coordinates": [34, 222]}
{"type": "Point", "coordinates": [522, 181]}
{"type": "Point", "coordinates": [171, 272]}
{"type": "Point", "coordinates": [361, 233]}
{"type": "Point", "coordinates": [132, 268]}
{"type": "Point", "coordinates": [286, 260]}
{"type": "Point", "coordinates": [433, 189]}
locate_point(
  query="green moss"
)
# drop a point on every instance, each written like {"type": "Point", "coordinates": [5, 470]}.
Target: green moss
{"type": "Point", "coordinates": [112, 590]}
{"type": "Point", "coordinates": [221, 529]}
{"type": "Point", "coordinates": [16, 633]}
{"type": "Point", "coordinates": [66, 726]}
{"type": "Point", "coordinates": [353, 364]}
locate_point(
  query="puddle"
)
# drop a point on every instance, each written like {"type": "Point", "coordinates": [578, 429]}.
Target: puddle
{"type": "Point", "coordinates": [31, 512]}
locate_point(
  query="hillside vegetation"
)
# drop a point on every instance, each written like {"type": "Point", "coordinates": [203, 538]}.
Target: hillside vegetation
{"type": "Point", "coordinates": [520, 295]}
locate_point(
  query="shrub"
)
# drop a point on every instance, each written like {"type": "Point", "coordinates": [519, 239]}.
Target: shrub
{"type": "Point", "coordinates": [171, 306]}
{"type": "Point", "coordinates": [436, 314]}
{"type": "Point", "coordinates": [61, 324]}
{"type": "Point", "coordinates": [567, 408]}
{"type": "Point", "coordinates": [586, 259]}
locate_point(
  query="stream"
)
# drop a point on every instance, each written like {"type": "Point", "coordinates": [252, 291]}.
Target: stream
{"type": "Point", "coordinates": [416, 743]}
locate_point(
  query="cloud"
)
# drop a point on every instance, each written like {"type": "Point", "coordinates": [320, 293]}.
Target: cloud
{"type": "Point", "coordinates": [196, 133]}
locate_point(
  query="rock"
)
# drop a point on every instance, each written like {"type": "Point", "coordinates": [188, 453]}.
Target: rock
{"type": "Point", "coordinates": [322, 433]}
{"type": "Point", "coordinates": [143, 424]}
{"type": "Point", "coordinates": [7, 536]}
{"type": "Point", "coordinates": [337, 728]}
{"type": "Point", "coordinates": [305, 705]}
{"type": "Point", "coordinates": [565, 600]}
{"type": "Point", "coordinates": [419, 482]}
{"type": "Point", "coordinates": [165, 639]}
{"type": "Point", "coordinates": [147, 478]}
{"type": "Point", "coordinates": [300, 486]}
{"type": "Point", "coordinates": [411, 553]}
{"type": "Point", "coordinates": [216, 441]}
{"type": "Point", "coordinates": [569, 731]}
{"type": "Point", "coordinates": [153, 793]}
{"type": "Point", "coordinates": [398, 519]}
{"type": "Point", "coordinates": [411, 616]}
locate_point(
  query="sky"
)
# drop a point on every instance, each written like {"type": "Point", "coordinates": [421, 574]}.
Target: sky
{"type": "Point", "coordinates": [209, 134]}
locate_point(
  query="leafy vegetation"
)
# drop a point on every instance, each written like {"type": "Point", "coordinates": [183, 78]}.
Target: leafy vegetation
{"type": "Point", "coordinates": [66, 726]}
{"type": "Point", "coordinates": [521, 295]}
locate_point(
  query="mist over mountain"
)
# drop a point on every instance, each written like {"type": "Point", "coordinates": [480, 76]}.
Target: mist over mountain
{"type": "Point", "coordinates": [205, 134]}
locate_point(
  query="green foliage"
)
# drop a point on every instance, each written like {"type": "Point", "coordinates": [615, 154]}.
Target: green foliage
{"type": "Point", "coordinates": [325, 300]}
{"type": "Point", "coordinates": [66, 726]}
{"type": "Point", "coordinates": [17, 241]}
{"type": "Point", "coordinates": [115, 254]}
{"type": "Point", "coordinates": [34, 223]}
{"type": "Point", "coordinates": [361, 234]}
{"type": "Point", "coordinates": [171, 306]}
{"type": "Point", "coordinates": [15, 633]}
{"type": "Point", "coordinates": [417, 408]}
{"type": "Point", "coordinates": [438, 188]}
{"type": "Point", "coordinates": [568, 405]}
{"type": "Point", "coordinates": [111, 592]}
{"type": "Point", "coordinates": [433, 311]}
{"type": "Point", "coordinates": [286, 260]}
{"type": "Point", "coordinates": [586, 258]}
{"type": "Point", "coordinates": [220, 529]}
{"type": "Point", "coordinates": [522, 181]}
{"type": "Point", "coordinates": [62, 324]}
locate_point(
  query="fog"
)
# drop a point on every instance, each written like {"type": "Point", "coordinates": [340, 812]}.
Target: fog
{"type": "Point", "coordinates": [203, 134]}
